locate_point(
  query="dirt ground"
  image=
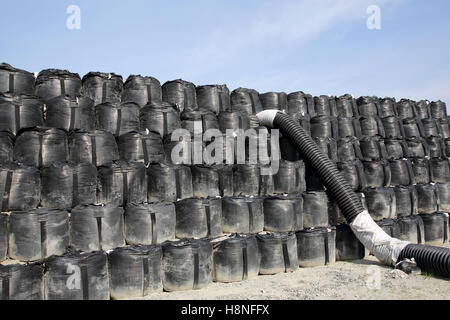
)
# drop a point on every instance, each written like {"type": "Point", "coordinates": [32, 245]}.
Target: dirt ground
{"type": "Point", "coordinates": [356, 280]}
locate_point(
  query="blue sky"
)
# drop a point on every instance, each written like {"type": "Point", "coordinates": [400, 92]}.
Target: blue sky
{"type": "Point", "coordinates": [320, 46]}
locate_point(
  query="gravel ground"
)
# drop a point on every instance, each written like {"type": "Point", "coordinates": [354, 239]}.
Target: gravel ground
{"type": "Point", "coordinates": [356, 280]}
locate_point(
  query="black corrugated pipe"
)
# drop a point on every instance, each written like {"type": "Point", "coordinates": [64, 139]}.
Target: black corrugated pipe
{"type": "Point", "coordinates": [388, 250]}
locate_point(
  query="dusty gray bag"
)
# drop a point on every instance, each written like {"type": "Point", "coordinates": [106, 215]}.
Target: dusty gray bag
{"type": "Point", "coordinates": [242, 215]}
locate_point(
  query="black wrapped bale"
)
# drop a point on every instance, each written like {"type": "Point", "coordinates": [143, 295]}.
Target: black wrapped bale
{"type": "Point", "coordinates": [162, 118]}
{"type": "Point", "coordinates": [440, 170]}
{"type": "Point", "coordinates": [443, 190]}
{"type": "Point", "coordinates": [372, 126]}
{"type": "Point", "coordinates": [412, 128]}
{"type": "Point", "coordinates": [41, 147]}
{"type": "Point", "coordinates": [348, 127]}
{"type": "Point", "coordinates": [381, 203]}
{"type": "Point", "coordinates": [3, 236]}
{"type": "Point", "coordinates": [290, 178]}
{"type": "Point", "coordinates": [96, 147]}
{"type": "Point", "coordinates": [438, 110]}
{"type": "Point", "coordinates": [428, 198]}
{"type": "Point", "coordinates": [21, 282]}
{"type": "Point", "coordinates": [242, 215]}
{"type": "Point", "coordinates": [205, 181]}
{"type": "Point", "coordinates": [117, 118]}
{"type": "Point", "coordinates": [21, 186]}
{"type": "Point", "coordinates": [77, 276]}
{"type": "Point", "coordinates": [401, 172]}
{"type": "Point", "coordinates": [148, 224]}
{"type": "Point", "coordinates": [323, 106]}
{"type": "Point", "coordinates": [70, 113]}
{"type": "Point", "coordinates": [396, 149]}
{"type": "Point", "coordinates": [199, 218]}
{"type": "Point", "coordinates": [122, 183]}
{"type": "Point", "coordinates": [6, 148]}
{"type": "Point", "coordinates": [417, 148]}
{"type": "Point", "coordinates": [145, 147]}
{"type": "Point", "coordinates": [134, 271]}
{"type": "Point", "coordinates": [274, 101]}
{"type": "Point", "coordinates": [17, 115]}
{"type": "Point", "coordinates": [348, 247]}
{"type": "Point", "coordinates": [436, 228]}
{"type": "Point", "coordinates": [423, 109]}
{"type": "Point", "coordinates": [141, 90]}
{"type": "Point", "coordinates": [316, 247]}
{"type": "Point", "coordinates": [236, 258]}
{"type": "Point", "coordinates": [298, 104]}
{"type": "Point", "coordinates": [233, 120]}
{"type": "Point", "coordinates": [411, 229]}
{"type": "Point", "coordinates": [393, 128]}
{"type": "Point", "coordinates": [368, 106]}
{"type": "Point", "coordinates": [213, 98]}
{"type": "Point", "coordinates": [246, 101]}
{"type": "Point", "coordinates": [278, 253]}
{"type": "Point", "coordinates": [430, 128]}
{"type": "Point", "coordinates": [94, 228]}
{"type": "Point", "coordinates": [180, 93]}
{"type": "Point", "coordinates": [386, 108]}
{"type": "Point", "coordinates": [443, 128]}
{"type": "Point", "coordinates": [378, 174]}
{"type": "Point", "coordinates": [353, 172]}
{"type": "Point", "coordinates": [167, 183]}
{"type": "Point", "coordinates": [283, 213]}
{"type": "Point", "coordinates": [103, 87]}
{"type": "Point", "coordinates": [390, 226]}
{"type": "Point", "coordinates": [348, 149]}
{"type": "Point", "coordinates": [406, 201]}
{"type": "Point", "coordinates": [406, 109]}
{"type": "Point", "coordinates": [436, 147]}
{"type": "Point", "coordinates": [346, 106]}
{"type": "Point", "coordinates": [38, 234]}
{"type": "Point", "coordinates": [187, 265]}
{"type": "Point", "coordinates": [324, 127]}
{"type": "Point", "coordinates": [16, 81]}
{"type": "Point", "coordinates": [51, 83]}
{"type": "Point", "coordinates": [373, 149]}
{"type": "Point", "coordinates": [199, 121]}
{"type": "Point", "coordinates": [315, 210]}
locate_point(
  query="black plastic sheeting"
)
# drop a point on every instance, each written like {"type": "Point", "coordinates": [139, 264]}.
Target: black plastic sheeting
{"type": "Point", "coordinates": [134, 271]}
{"type": "Point", "coordinates": [386, 108]}
{"type": "Point", "coordinates": [406, 201]}
{"type": "Point", "coordinates": [17, 114]}
{"type": "Point", "coordinates": [278, 253]}
{"type": "Point", "coordinates": [141, 90]}
{"type": "Point", "coordinates": [401, 172]}
{"type": "Point", "coordinates": [187, 265]}
{"type": "Point", "coordinates": [122, 183]}
{"type": "Point", "coordinates": [348, 149]}
{"type": "Point", "coordinates": [16, 81]}
{"type": "Point", "coordinates": [430, 128]}
{"type": "Point", "coordinates": [274, 101]}
{"type": "Point", "coordinates": [316, 206]}
{"type": "Point", "coordinates": [51, 83]}
{"type": "Point", "coordinates": [148, 224]}
{"type": "Point", "coordinates": [96, 147]}
{"type": "Point", "coordinates": [436, 147]}
{"type": "Point", "coordinates": [373, 149]}
{"type": "Point", "coordinates": [70, 113]}
{"type": "Point", "coordinates": [248, 181]}
{"type": "Point", "coordinates": [162, 118]}
{"type": "Point", "coordinates": [205, 181]}
{"type": "Point", "coordinates": [284, 213]}
{"type": "Point", "coordinates": [412, 229]}
{"type": "Point", "coordinates": [378, 174]}
{"type": "Point", "coordinates": [77, 276]}
{"type": "Point", "coordinates": [417, 148]}
{"type": "Point", "coordinates": [290, 178]}
{"type": "Point", "coordinates": [64, 186]}
{"type": "Point", "coordinates": [346, 106]}
{"type": "Point", "coordinates": [443, 190]}
{"type": "Point", "coordinates": [103, 87]}
{"type": "Point", "coordinates": [438, 110]}
{"type": "Point", "coordinates": [393, 128]}
{"type": "Point", "coordinates": [440, 170]}
{"type": "Point", "coordinates": [406, 109]}
{"type": "Point", "coordinates": [367, 106]}
{"type": "Point", "coordinates": [213, 98]}
{"type": "Point", "coordinates": [180, 93]}
{"type": "Point", "coordinates": [348, 127]}
{"type": "Point", "coordinates": [421, 169]}
{"type": "Point", "coordinates": [390, 226]}
{"type": "Point", "coordinates": [6, 147]}
{"type": "Point", "coordinates": [316, 247]}
{"type": "Point", "coordinates": [353, 172]}
{"type": "Point", "coordinates": [168, 183]}
{"type": "Point", "coordinates": [423, 109]}
{"type": "Point", "coordinates": [41, 147]}
{"type": "Point", "coordinates": [298, 103]}
{"type": "Point", "coordinates": [436, 228]}
{"type": "Point", "coordinates": [236, 258]}
{"type": "Point", "coordinates": [381, 203]}
{"type": "Point", "coordinates": [324, 127]}
{"type": "Point", "coordinates": [198, 218]}
{"type": "Point", "coordinates": [3, 236]}
{"type": "Point", "coordinates": [325, 106]}
{"type": "Point", "coordinates": [348, 247]}
{"type": "Point", "coordinates": [21, 187]}
{"type": "Point", "coordinates": [141, 147]}
{"type": "Point", "coordinates": [396, 149]}
{"type": "Point", "coordinates": [246, 101]}
{"type": "Point", "coordinates": [38, 234]}
{"type": "Point", "coordinates": [233, 120]}
{"type": "Point", "coordinates": [21, 282]}
{"type": "Point", "coordinates": [372, 126]}
{"type": "Point", "coordinates": [191, 120]}
{"type": "Point", "coordinates": [242, 215]}
{"type": "Point", "coordinates": [412, 128]}
{"type": "Point", "coordinates": [94, 228]}
{"type": "Point", "coordinates": [117, 118]}
{"type": "Point", "coordinates": [428, 198]}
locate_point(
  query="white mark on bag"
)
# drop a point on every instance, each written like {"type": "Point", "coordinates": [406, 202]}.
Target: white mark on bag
{"type": "Point", "coordinates": [74, 20]}
{"type": "Point", "coordinates": [74, 280]}
{"type": "Point", "coordinates": [374, 20]}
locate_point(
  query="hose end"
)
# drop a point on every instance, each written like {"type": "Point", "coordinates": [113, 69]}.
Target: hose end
{"type": "Point", "coordinates": [267, 117]}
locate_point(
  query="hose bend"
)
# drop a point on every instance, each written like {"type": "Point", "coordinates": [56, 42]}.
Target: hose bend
{"type": "Point", "coordinates": [387, 249]}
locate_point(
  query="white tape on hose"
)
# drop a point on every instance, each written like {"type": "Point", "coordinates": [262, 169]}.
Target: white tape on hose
{"type": "Point", "coordinates": [266, 117]}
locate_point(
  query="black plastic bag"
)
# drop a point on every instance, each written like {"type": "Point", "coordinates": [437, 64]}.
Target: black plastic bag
{"type": "Point", "coordinates": [428, 198]}
{"type": "Point", "coordinates": [315, 210]}
{"type": "Point", "coordinates": [436, 147]}
{"type": "Point", "coordinates": [406, 109]}
{"type": "Point", "coordinates": [147, 224]}
{"type": "Point", "coordinates": [430, 128]}
{"type": "Point", "coordinates": [134, 271]}
{"type": "Point", "coordinates": [378, 174]}
{"type": "Point", "coordinates": [246, 101]}
{"type": "Point", "coordinates": [191, 120]}
{"type": "Point", "coordinates": [348, 247]}
{"type": "Point", "coordinates": [348, 149]}
{"type": "Point", "coordinates": [77, 276]}
{"type": "Point", "coordinates": [242, 215]}
{"type": "Point", "coordinates": [103, 87]}
{"type": "Point", "coordinates": [396, 149]}
{"type": "Point", "coordinates": [38, 234]}
{"type": "Point", "coordinates": [180, 93]}
{"type": "Point", "coordinates": [438, 110]}
{"type": "Point", "coordinates": [298, 104]}
{"type": "Point", "coordinates": [233, 120]}
{"type": "Point", "coordinates": [401, 172]}
{"type": "Point", "coordinates": [373, 149]}
{"type": "Point", "coordinates": [94, 228]}
{"type": "Point", "coordinates": [168, 183]}
{"type": "Point", "coordinates": [386, 108]}
{"type": "Point", "coordinates": [18, 115]}
{"type": "Point", "coordinates": [122, 183]}
{"type": "Point", "coordinates": [411, 229]}
{"type": "Point", "coordinates": [423, 109]}
{"type": "Point", "coordinates": [187, 265]}
{"type": "Point", "coordinates": [421, 169]}
{"type": "Point", "coordinates": [236, 258]}
{"type": "Point", "coordinates": [390, 226]}
{"type": "Point", "coordinates": [348, 127]}
{"type": "Point", "coordinates": [41, 147]}
{"type": "Point", "coordinates": [406, 201]}
{"type": "Point", "coordinates": [412, 128]}
{"type": "Point", "coordinates": [21, 282]}
{"type": "Point", "coordinates": [323, 107]}
{"type": "Point", "coordinates": [117, 118]}
{"type": "Point", "coordinates": [353, 172]}
{"type": "Point", "coordinates": [141, 90]}
{"type": "Point", "coordinates": [304, 121]}
{"type": "Point", "coordinates": [3, 236]}
{"type": "Point", "coordinates": [162, 118]}
{"type": "Point", "coordinates": [417, 148]}
{"type": "Point", "coordinates": [6, 147]}
{"type": "Point", "coordinates": [274, 101]}
{"type": "Point", "coordinates": [70, 113]}
{"type": "Point", "coordinates": [248, 181]}
{"type": "Point", "coordinates": [284, 213]}
{"type": "Point", "coordinates": [447, 147]}
{"type": "Point", "coordinates": [205, 181]}
{"type": "Point", "coordinates": [381, 203]}
{"type": "Point", "coordinates": [198, 218]}
{"type": "Point", "coordinates": [372, 126]}
{"type": "Point", "coordinates": [290, 178]}
{"type": "Point", "coordinates": [15, 81]}
{"type": "Point", "coordinates": [141, 147]}
{"type": "Point", "coordinates": [443, 190]}
{"type": "Point", "coordinates": [368, 108]}
{"type": "Point", "coordinates": [436, 228]}
{"type": "Point", "coordinates": [226, 185]}
{"type": "Point", "coordinates": [213, 98]}
{"type": "Point", "coordinates": [346, 106]}
{"type": "Point", "coordinates": [316, 247]}
{"type": "Point", "coordinates": [278, 252]}
{"type": "Point", "coordinates": [443, 128]}
{"type": "Point", "coordinates": [440, 170]}
{"type": "Point", "coordinates": [96, 147]}
{"type": "Point", "coordinates": [393, 128]}
{"type": "Point", "coordinates": [22, 188]}
{"type": "Point", "coordinates": [324, 127]}
{"type": "Point", "coordinates": [51, 83]}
